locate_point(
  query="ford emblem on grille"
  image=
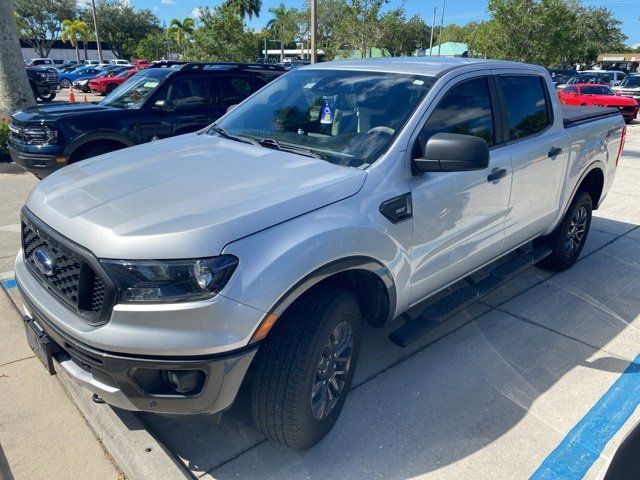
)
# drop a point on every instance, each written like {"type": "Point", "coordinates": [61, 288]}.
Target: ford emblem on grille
{"type": "Point", "coordinates": [43, 261]}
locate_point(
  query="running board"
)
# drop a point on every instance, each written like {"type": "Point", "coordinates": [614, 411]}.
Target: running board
{"type": "Point", "coordinates": [434, 314]}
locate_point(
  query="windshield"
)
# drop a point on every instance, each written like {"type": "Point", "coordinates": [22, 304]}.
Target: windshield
{"type": "Point", "coordinates": [345, 117]}
{"type": "Point", "coordinates": [631, 82]}
{"type": "Point", "coordinates": [133, 93]}
{"type": "Point", "coordinates": [596, 90]}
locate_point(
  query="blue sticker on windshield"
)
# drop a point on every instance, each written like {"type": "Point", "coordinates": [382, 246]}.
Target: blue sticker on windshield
{"type": "Point", "coordinates": [326, 113]}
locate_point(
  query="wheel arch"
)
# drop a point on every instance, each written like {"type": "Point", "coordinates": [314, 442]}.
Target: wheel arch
{"type": "Point", "coordinates": [94, 138]}
{"type": "Point", "coordinates": [368, 279]}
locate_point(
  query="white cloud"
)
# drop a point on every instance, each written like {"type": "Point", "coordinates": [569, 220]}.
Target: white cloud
{"type": "Point", "coordinates": [195, 13]}
{"type": "Point", "coordinates": [167, 2]}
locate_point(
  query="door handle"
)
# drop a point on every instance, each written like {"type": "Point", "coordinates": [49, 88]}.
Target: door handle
{"type": "Point", "coordinates": [554, 152]}
{"type": "Point", "coordinates": [496, 174]}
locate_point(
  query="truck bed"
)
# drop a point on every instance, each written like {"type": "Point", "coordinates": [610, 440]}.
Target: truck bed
{"type": "Point", "coordinates": [576, 115]}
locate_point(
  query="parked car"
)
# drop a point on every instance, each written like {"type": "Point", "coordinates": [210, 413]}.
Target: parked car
{"type": "Point", "coordinates": [34, 62]}
{"type": "Point", "coordinates": [588, 78]}
{"type": "Point", "coordinates": [67, 78]}
{"type": "Point", "coordinates": [141, 64]}
{"type": "Point", "coordinates": [91, 62]}
{"type": "Point", "coordinates": [159, 102]}
{"type": "Point", "coordinates": [43, 81]}
{"type": "Point", "coordinates": [107, 84]}
{"type": "Point", "coordinates": [615, 76]}
{"type": "Point", "coordinates": [629, 87]}
{"type": "Point", "coordinates": [598, 95]}
{"type": "Point", "coordinates": [83, 84]}
{"type": "Point", "coordinates": [120, 62]}
{"type": "Point", "coordinates": [341, 193]}
{"type": "Point", "coordinates": [68, 68]}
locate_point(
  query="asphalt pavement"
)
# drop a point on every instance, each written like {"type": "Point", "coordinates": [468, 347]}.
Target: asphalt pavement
{"type": "Point", "coordinates": [539, 380]}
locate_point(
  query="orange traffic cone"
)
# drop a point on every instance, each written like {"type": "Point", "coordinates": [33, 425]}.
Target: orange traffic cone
{"type": "Point", "coordinates": [72, 96]}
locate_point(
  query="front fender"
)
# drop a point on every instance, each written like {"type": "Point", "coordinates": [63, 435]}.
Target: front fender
{"type": "Point", "coordinates": [280, 263]}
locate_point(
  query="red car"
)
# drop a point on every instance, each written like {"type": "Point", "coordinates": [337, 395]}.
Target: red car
{"type": "Point", "coordinates": [141, 63]}
{"type": "Point", "coordinates": [108, 84]}
{"type": "Point", "coordinates": [598, 95]}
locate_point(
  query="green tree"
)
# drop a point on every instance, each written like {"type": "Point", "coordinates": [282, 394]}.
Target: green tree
{"type": "Point", "coordinates": [246, 8]}
{"type": "Point", "coordinates": [40, 21]}
{"type": "Point", "coordinates": [121, 25]}
{"type": "Point", "coordinates": [155, 45]}
{"type": "Point", "coordinates": [398, 36]}
{"type": "Point", "coordinates": [285, 25]}
{"type": "Point", "coordinates": [72, 32]}
{"type": "Point", "coordinates": [181, 31]}
{"type": "Point", "coordinates": [221, 37]}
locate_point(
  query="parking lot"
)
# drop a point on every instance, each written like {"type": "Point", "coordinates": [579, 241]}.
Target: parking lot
{"type": "Point", "coordinates": [539, 375]}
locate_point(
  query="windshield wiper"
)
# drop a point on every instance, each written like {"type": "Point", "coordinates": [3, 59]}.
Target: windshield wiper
{"type": "Point", "coordinates": [223, 133]}
{"type": "Point", "coordinates": [273, 143]}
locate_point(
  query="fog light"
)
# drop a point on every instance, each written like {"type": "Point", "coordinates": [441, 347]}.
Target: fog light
{"type": "Point", "coordinates": [185, 381]}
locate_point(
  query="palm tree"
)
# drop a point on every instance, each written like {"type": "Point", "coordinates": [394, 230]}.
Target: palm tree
{"type": "Point", "coordinates": [72, 31]}
{"type": "Point", "coordinates": [15, 92]}
{"type": "Point", "coordinates": [247, 8]}
{"type": "Point", "coordinates": [284, 25]}
{"type": "Point", "coordinates": [181, 30]}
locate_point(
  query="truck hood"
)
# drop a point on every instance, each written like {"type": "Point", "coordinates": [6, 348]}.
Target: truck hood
{"type": "Point", "coordinates": [184, 197]}
{"type": "Point", "coordinates": [50, 112]}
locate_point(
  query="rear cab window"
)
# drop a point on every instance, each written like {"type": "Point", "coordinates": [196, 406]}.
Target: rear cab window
{"type": "Point", "coordinates": [527, 103]}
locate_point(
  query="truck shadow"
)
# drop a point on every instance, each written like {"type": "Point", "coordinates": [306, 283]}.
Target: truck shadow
{"type": "Point", "coordinates": [458, 390]}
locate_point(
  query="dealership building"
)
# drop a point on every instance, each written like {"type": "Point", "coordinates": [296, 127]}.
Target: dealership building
{"type": "Point", "coordinates": [64, 51]}
{"type": "Point", "coordinates": [619, 61]}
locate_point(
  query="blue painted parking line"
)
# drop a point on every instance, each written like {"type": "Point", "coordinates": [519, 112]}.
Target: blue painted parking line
{"type": "Point", "coordinates": [9, 283]}
{"type": "Point", "coordinates": [584, 444]}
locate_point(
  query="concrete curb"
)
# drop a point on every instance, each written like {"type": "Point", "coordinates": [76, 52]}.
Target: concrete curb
{"type": "Point", "coordinates": [138, 454]}
{"type": "Point", "coordinates": [125, 437]}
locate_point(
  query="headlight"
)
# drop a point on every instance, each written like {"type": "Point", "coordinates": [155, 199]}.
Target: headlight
{"type": "Point", "coordinates": [40, 135]}
{"type": "Point", "coordinates": [150, 281]}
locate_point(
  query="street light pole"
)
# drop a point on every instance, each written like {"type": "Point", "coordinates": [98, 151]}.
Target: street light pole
{"type": "Point", "coordinates": [314, 26]}
{"type": "Point", "coordinates": [441, 25]}
{"type": "Point", "coordinates": [433, 27]}
{"type": "Point", "coordinates": [95, 26]}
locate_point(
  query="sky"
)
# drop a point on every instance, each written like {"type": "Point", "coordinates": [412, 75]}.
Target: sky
{"type": "Point", "coordinates": [456, 11]}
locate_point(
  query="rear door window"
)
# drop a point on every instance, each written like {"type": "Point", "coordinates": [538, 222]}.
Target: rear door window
{"type": "Point", "coordinates": [189, 93]}
{"type": "Point", "coordinates": [527, 105]}
{"type": "Point", "coordinates": [234, 89]}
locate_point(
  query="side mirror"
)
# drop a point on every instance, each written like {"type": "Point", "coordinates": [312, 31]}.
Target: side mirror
{"type": "Point", "coordinates": [453, 152]}
{"type": "Point", "coordinates": [163, 106]}
{"type": "Point", "coordinates": [231, 107]}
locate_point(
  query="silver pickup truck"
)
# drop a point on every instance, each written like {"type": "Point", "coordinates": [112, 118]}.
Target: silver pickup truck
{"type": "Point", "coordinates": [345, 192]}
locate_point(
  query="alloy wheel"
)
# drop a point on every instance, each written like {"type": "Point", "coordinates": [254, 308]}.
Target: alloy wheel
{"type": "Point", "coordinates": [576, 231]}
{"type": "Point", "coordinates": [332, 371]}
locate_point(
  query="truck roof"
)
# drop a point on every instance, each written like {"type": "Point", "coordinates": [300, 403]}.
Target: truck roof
{"type": "Point", "coordinates": [432, 66]}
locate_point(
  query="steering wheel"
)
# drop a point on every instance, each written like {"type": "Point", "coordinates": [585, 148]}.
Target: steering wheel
{"type": "Point", "coordinates": [382, 129]}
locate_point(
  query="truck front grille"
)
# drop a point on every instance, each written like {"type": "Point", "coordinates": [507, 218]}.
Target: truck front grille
{"type": "Point", "coordinates": [73, 277]}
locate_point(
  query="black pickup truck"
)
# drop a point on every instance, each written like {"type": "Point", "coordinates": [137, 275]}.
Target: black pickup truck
{"type": "Point", "coordinates": [43, 82]}
{"type": "Point", "coordinates": [155, 103]}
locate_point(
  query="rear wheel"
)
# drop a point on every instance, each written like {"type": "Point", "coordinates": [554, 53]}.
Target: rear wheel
{"type": "Point", "coordinates": [569, 237]}
{"type": "Point", "coordinates": [305, 368]}
{"type": "Point", "coordinates": [48, 98]}
{"type": "Point", "coordinates": [65, 83]}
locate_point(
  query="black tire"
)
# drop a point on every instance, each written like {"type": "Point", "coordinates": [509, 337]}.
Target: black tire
{"type": "Point", "coordinates": [93, 151]}
{"type": "Point", "coordinates": [291, 361]}
{"type": "Point", "coordinates": [569, 237]}
{"type": "Point", "coordinates": [48, 98]}
{"type": "Point", "coordinates": [65, 83]}
{"type": "Point", "coordinates": [110, 88]}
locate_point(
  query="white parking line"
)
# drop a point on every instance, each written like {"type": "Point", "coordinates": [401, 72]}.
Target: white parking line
{"type": "Point", "coordinates": [10, 228]}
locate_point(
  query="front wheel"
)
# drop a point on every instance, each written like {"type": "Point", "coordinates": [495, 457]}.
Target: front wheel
{"type": "Point", "coordinates": [49, 97]}
{"type": "Point", "coordinates": [65, 83]}
{"type": "Point", "coordinates": [569, 237]}
{"type": "Point", "coordinates": [305, 368]}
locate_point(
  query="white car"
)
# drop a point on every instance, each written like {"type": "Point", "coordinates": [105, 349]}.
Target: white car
{"type": "Point", "coordinates": [629, 87]}
{"type": "Point", "coordinates": [32, 62]}
{"type": "Point", "coordinates": [121, 62]}
{"type": "Point", "coordinates": [616, 76]}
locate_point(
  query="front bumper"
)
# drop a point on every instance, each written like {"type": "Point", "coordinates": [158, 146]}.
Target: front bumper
{"type": "Point", "coordinates": [133, 382]}
{"type": "Point", "coordinates": [40, 165]}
